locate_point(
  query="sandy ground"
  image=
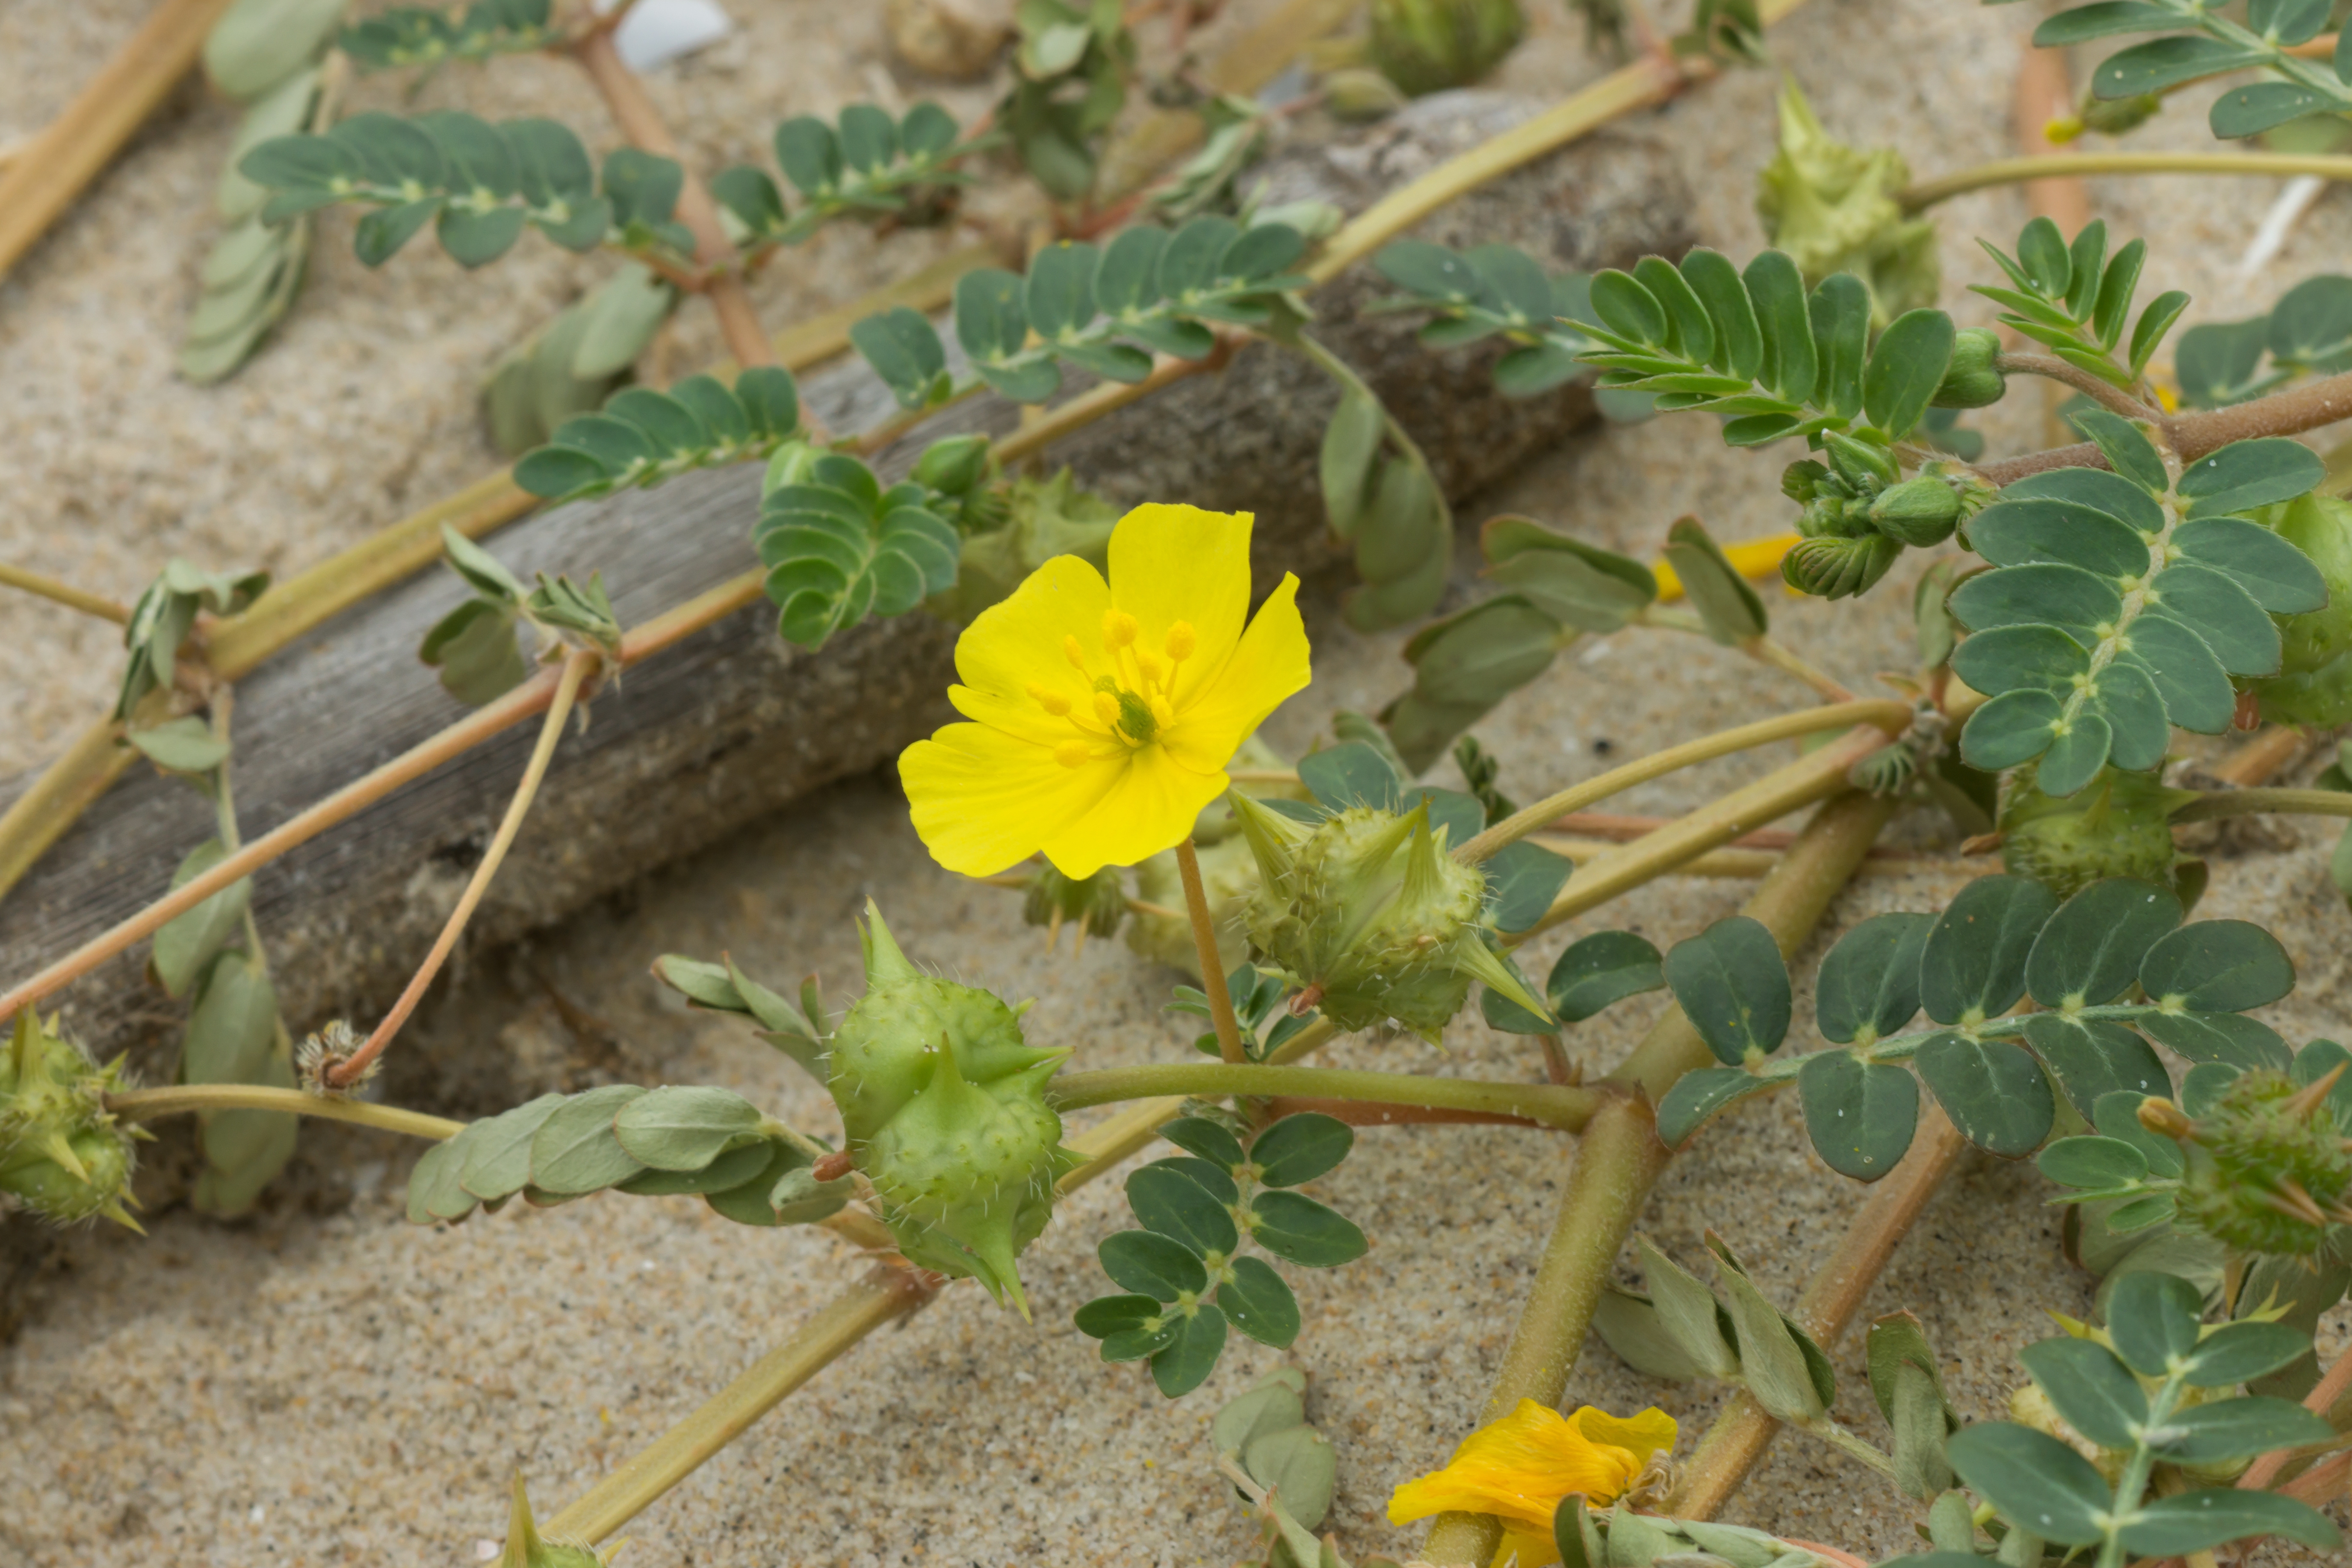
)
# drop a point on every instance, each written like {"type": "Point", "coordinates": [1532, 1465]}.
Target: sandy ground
{"type": "Point", "coordinates": [326, 1384]}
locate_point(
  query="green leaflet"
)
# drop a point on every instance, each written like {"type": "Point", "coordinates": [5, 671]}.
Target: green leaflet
{"type": "Point", "coordinates": [643, 436]}
{"type": "Point", "coordinates": [2118, 609]}
{"type": "Point", "coordinates": [480, 184]}
{"type": "Point", "coordinates": [838, 548]}
{"type": "Point", "coordinates": [421, 36]}
{"type": "Point", "coordinates": [866, 165]}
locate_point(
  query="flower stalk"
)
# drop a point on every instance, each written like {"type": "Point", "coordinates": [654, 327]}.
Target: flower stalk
{"type": "Point", "coordinates": [64, 593]}
{"type": "Point", "coordinates": [1204, 946]}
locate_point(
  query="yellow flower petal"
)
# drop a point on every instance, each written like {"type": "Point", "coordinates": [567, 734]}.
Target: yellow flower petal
{"type": "Point", "coordinates": [1527, 1548]}
{"type": "Point", "coordinates": [1520, 1467]}
{"type": "Point", "coordinates": [1171, 563]}
{"type": "Point", "coordinates": [1268, 665]}
{"type": "Point", "coordinates": [1018, 643]}
{"type": "Point", "coordinates": [1650, 1432]}
{"type": "Point", "coordinates": [1153, 803]}
{"type": "Point", "coordinates": [984, 800]}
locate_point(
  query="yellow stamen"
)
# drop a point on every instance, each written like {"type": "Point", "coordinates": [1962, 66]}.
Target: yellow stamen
{"type": "Point", "coordinates": [1161, 714]}
{"type": "Point", "coordinates": [1071, 652]}
{"type": "Point", "coordinates": [1107, 708]}
{"type": "Point", "coordinates": [1053, 702]}
{"type": "Point", "coordinates": [1154, 672]}
{"type": "Point", "coordinates": [1181, 640]}
{"type": "Point", "coordinates": [1071, 754]}
{"type": "Point", "coordinates": [1118, 629]}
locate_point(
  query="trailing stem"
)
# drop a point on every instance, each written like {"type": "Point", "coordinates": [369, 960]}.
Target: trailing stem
{"type": "Point", "coordinates": [64, 593]}
{"type": "Point", "coordinates": [1551, 1105]}
{"type": "Point", "coordinates": [2044, 165]}
{"type": "Point", "coordinates": [1619, 1158]}
{"type": "Point", "coordinates": [1736, 1443]}
{"type": "Point", "coordinates": [181, 1098]}
{"type": "Point", "coordinates": [577, 667]}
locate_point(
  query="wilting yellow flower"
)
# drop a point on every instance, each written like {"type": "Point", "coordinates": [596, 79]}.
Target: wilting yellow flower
{"type": "Point", "coordinates": [1520, 1467]}
{"type": "Point", "coordinates": [1104, 714]}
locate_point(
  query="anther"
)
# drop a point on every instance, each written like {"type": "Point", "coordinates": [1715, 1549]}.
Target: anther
{"type": "Point", "coordinates": [1071, 652]}
{"type": "Point", "coordinates": [1053, 702]}
{"type": "Point", "coordinates": [1181, 640]}
{"type": "Point", "coordinates": [1107, 708]}
{"type": "Point", "coordinates": [1161, 714]}
{"type": "Point", "coordinates": [1118, 629]}
{"type": "Point", "coordinates": [1071, 754]}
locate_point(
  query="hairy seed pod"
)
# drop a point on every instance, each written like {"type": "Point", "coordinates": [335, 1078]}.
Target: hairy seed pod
{"type": "Point", "coordinates": [1833, 568]}
{"type": "Point", "coordinates": [2313, 685]}
{"type": "Point", "coordinates": [2116, 826]}
{"type": "Point", "coordinates": [944, 1104]}
{"type": "Point", "coordinates": [1921, 511]}
{"type": "Point", "coordinates": [2251, 1153]}
{"type": "Point", "coordinates": [1370, 914]}
{"type": "Point", "coordinates": [1971, 381]}
{"type": "Point", "coordinates": [1428, 46]}
{"type": "Point", "coordinates": [526, 1548]}
{"type": "Point", "coordinates": [62, 1156]}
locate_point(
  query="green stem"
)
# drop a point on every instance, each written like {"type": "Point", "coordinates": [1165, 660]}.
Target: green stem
{"type": "Point", "coordinates": [177, 1099]}
{"type": "Point", "coordinates": [2045, 165]}
{"type": "Point", "coordinates": [1619, 1158]}
{"type": "Point", "coordinates": [2222, 803]}
{"type": "Point", "coordinates": [64, 593]}
{"type": "Point", "coordinates": [2133, 1483]}
{"type": "Point", "coordinates": [1552, 1105]}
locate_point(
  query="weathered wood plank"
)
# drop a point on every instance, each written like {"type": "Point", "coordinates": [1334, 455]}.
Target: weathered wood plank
{"type": "Point", "coordinates": [732, 722]}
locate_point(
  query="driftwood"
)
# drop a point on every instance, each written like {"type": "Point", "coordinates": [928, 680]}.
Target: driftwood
{"type": "Point", "coordinates": [733, 722]}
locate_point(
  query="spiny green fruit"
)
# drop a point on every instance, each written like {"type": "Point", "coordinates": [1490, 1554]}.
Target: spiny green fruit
{"type": "Point", "coordinates": [62, 1154]}
{"type": "Point", "coordinates": [1428, 46]}
{"type": "Point", "coordinates": [2313, 685]}
{"type": "Point", "coordinates": [944, 1104]}
{"type": "Point", "coordinates": [2116, 826]}
{"type": "Point", "coordinates": [525, 1549]}
{"type": "Point", "coordinates": [1371, 916]}
{"type": "Point", "coordinates": [2261, 1140]}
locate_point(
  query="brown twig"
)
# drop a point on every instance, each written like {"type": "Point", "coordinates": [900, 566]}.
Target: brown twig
{"type": "Point", "coordinates": [1205, 947]}
{"type": "Point", "coordinates": [2205, 431]}
{"type": "Point", "coordinates": [40, 184]}
{"type": "Point", "coordinates": [642, 123]}
{"type": "Point", "coordinates": [2265, 757]}
{"type": "Point", "coordinates": [577, 669]}
{"type": "Point", "coordinates": [2319, 1402]}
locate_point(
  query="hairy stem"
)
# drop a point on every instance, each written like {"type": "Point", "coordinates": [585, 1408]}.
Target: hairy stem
{"type": "Point", "coordinates": [625, 94]}
{"type": "Point", "coordinates": [2319, 1402]}
{"type": "Point", "coordinates": [1204, 948]}
{"type": "Point", "coordinates": [2013, 171]}
{"type": "Point", "coordinates": [1888, 715]}
{"type": "Point", "coordinates": [1619, 1158]}
{"type": "Point", "coordinates": [1552, 1105]}
{"type": "Point", "coordinates": [180, 1099]}
{"type": "Point", "coordinates": [2205, 431]}
{"type": "Point", "coordinates": [1736, 1443]}
{"type": "Point", "coordinates": [2222, 803]}
{"type": "Point", "coordinates": [577, 666]}
{"type": "Point", "coordinates": [2103, 391]}
{"type": "Point", "coordinates": [64, 593]}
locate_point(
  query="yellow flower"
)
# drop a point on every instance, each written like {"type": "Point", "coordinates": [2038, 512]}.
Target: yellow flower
{"type": "Point", "coordinates": [1520, 1467]}
{"type": "Point", "coordinates": [1104, 714]}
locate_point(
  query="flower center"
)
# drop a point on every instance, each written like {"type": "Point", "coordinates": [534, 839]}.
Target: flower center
{"type": "Point", "coordinates": [1129, 705]}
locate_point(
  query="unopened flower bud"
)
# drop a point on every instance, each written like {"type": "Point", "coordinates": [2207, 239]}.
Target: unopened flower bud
{"type": "Point", "coordinates": [1801, 480]}
{"type": "Point", "coordinates": [1887, 771]}
{"type": "Point", "coordinates": [1971, 381]}
{"type": "Point", "coordinates": [952, 465]}
{"type": "Point", "coordinates": [1096, 904]}
{"type": "Point", "coordinates": [1353, 93]}
{"type": "Point", "coordinates": [944, 1104]}
{"type": "Point", "coordinates": [791, 465]}
{"type": "Point", "coordinates": [62, 1154]}
{"type": "Point", "coordinates": [2115, 116]}
{"type": "Point", "coordinates": [1838, 568]}
{"type": "Point", "coordinates": [1372, 917]}
{"type": "Point", "coordinates": [1865, 464]}
{"type": "Point", "coordinates": [1428, 46]}
{"type": "Point", "coordinates": [1921, 511]}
